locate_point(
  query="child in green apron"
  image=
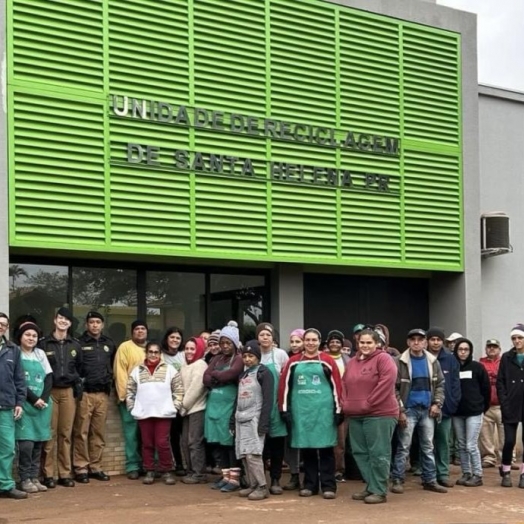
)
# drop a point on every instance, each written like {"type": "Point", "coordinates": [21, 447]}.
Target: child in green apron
{"type": "Point", "coordinates": [34, 427]}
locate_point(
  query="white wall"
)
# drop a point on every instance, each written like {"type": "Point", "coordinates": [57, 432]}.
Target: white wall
{"type": "Point", "coordinates": [501, 123]}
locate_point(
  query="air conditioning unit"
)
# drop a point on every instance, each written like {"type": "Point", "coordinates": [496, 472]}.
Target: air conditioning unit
{"type": "Point", "coordinates": [494, 234]}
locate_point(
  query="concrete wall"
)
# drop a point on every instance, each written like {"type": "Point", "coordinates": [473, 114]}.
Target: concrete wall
{"type": "Point", "coordinates": [502, 189]}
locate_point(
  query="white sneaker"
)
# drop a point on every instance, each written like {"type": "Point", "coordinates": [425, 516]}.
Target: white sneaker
{"type": "Point", "coordinates": [28, 486]}
{"type": "Point", "coordinates": [39, 485]}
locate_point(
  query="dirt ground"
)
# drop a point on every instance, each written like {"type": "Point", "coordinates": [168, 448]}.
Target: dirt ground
{"type": "Point", "coordinates": [123, 501]}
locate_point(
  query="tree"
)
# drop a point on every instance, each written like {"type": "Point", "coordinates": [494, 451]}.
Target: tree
{"type": "Point", "coordinates": [15, 271]}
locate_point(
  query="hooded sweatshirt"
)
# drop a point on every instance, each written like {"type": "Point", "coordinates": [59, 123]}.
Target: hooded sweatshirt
{"type": "Point", "coordinates": [368, 386]}
{"type": "Point", "coordinates": [474, 385]}
{"type": "Point", "coordinates": [195, 393]}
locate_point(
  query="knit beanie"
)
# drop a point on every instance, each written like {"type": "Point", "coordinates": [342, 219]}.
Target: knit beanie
{"type": "Point", "coordinates": [435, 332]}
{"type": "Point", "coordinates": [265, 326]}
{"type": "Point", "coordinates": [518, 331]}
{"type": "Point", "coordinates": [335, 335]}
{"type": "Point", "coordinates": [214, 337]}
{"type": "Point", "coordinates": [200, 344]}
{"type": "Point", "coordinates": [231, 332]}
{"type": "Point", "coordinates": [299, 332]}
{"type": "Point", "coordinates": [138, 323]}
{"type": "Point", "coordinates": [26, 326]}
{"type": "Point", "coordinates": [252, 347]}
{"type": "Point", "coordinates": [66, 313]}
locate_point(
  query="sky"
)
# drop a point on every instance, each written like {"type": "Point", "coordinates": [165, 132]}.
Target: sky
{"type": "Point", "coordinates": [500, 25]}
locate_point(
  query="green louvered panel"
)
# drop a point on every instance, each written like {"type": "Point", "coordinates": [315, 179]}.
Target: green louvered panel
{"type": "Point", "coordinates": [303, 66]}
{"type": "Point", "coordinates": [369, 74]}
{"type": "Point", "coordinates": [432, 207]}
{"type": "Point", "coordinates": [148, 49]}
{"type": "Point", "coordinates": [371, 226]}
{"type": "Point", "coordinates": [150, 208]}
{"type": "Point", "coordinates": [58, 169]}
{"type": "Point", "coordinates": [231, 215]}
{"type": "Point", "coordinates": [229, 56]}
{"type": "Point", "coordinates": [431, 86]}
{"type": "Point", "coordinates": [59, 42]}
{"type": "Point", "coordinates": [303, 226]}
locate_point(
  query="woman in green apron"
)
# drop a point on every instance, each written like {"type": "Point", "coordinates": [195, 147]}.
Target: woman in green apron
{"type": "Point", "coordinates": [309, 399]}
{"type": "Point", "coordinates": [275, 359]}
{"type": "Point", "coordinates": [221, 378]}
{"type": "Point", "coordinates": [34, 427]}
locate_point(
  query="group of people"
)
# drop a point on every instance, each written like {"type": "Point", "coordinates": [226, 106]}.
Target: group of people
{"type": "Point", "coordinates": [212, 403]}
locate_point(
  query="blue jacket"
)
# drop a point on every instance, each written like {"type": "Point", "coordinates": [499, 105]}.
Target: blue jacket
{"type": "Point", "coordinates": [451, 370]}
{"type": "Point", "coordinates": [12, 378]}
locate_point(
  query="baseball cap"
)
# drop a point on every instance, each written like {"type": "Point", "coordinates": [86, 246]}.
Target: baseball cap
{"type": "Point", "coordinates": [417, 333]}
{"type": "Point", "coordinates": [453, 337]}
{"type": "Point", "coordinates": [492, 342]}
{"type": "Point", "coordinates": [358, 327]}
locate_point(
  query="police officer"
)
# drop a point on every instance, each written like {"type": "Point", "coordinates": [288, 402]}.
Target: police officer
{"type": "Point", "coordinates": [65, 356]}
{"type": "Point", "coordinates": [12, 396]}
{"type": "Point", "coordinates": [98, 352]}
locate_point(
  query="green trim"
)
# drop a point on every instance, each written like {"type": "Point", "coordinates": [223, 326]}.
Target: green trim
{"type": "Point", "coordinates": [401, 94]}
{"type": "Point", "coordinates": [269, 187]}
{"type": "Point", "coordinates": [192, 181]}
{"type": "Point", "coordinates": [461, 155]}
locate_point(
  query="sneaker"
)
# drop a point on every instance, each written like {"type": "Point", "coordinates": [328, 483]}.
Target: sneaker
{"type": "Point", "coordinates": [28, 486]}
{"type": "Point", "coordinates": [40, 486]}
{"type": "Point", "coordinates": [397, 487]}
{"type": "Point", "coordinates": [149, 478]}
{"type": "Point", "coordinates": [329, 495]}
{"type": "Point", "coordinates": [133, 475]}
{"type": "Point", "coordinates": [13, 494]}
{"type": "Point", "coordinates": [474, 481]}
{"type": "Point", "coordinates": [462, 480]}
{"type": "Point", "coordinates": [246, 491]}
{"type": "Point", "coordinates": [260, 493]}
{"type": "Point", "coordinates": [305, 493]}
{"type": "Point", "coordinates": [375, 499]}
{"type": "Point", "coordinates": [169, 478]}
{"type": "Point", "coordinates": [339, 477]}
{"type": "Point", "coordinates": [275, 488]}
{"type": "Point", "coordinates": [444, 481]}
{"type": "Point", "coordinates": [433, 486]}
{"type": "Point", "coordinates": [506, 478]}
{"type": "Point", "coordinates": [361, 495]}
{"type": "Point", "coordinates": [180, 471]}
{"type": "Point", "coordinates": [194, 479]}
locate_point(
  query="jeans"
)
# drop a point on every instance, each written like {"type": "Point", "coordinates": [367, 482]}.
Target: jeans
{"type": "Point", "coordinates": [416, 418]}
{"type": "Point", "coordinates": [467, 430]}
{"type": "Point", "coordinates": [29, 454]}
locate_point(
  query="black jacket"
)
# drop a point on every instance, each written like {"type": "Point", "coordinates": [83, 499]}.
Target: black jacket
{"type": "Point", "coordinates": [97, 363]}
{"type": "Point", "coordinates": [510, 388]}
{"type": "Point", "coordinates": [65, 358]}
{"type": "Point", "coordinates": [475, 388]}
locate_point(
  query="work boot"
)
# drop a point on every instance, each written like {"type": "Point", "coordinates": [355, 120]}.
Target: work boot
{"type": "Point", "coordinates": [260, 493]}
{"type": "Point", "coordinates": [275, 488]}
{"type": "Point", "coordinates": [149, 478]}
{"type": "Point", "coordinates": [39, 486]}
{"type": "Point", "coordinates": [433, 486]}
{"type": "Point", "coordinates": [169, 478]}
{"type": "Point", "coordinates": [294, 482]}
{"type": "Point", "coordinates": [474, 481]}
{"type": "Point", "coordinates": [444, 481]}
{"type": "Point", "coordinates": [28, 486]}
{"type": "Point", "coordinates": [462, 480]}
{"type": "Point", "coordinates": [506, 478]}
{"type": "Point", "coordinates": [360, 495]}
{"type": "Point", "coordinates": [246, 491]}
{"type": "Point", "coordinates": [375, 499]}
{"type": "Point", "coordinates": [397, 487]}
{"type": "Point", "coordinates": [49, 483]}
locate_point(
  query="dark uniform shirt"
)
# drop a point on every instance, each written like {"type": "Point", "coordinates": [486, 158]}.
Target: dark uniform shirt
{"type": "Point", "coordinates": [97, 362]}
{"type": "Point", "coordinates": [65, 358]}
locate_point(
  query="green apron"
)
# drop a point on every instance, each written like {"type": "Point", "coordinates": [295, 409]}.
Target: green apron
{"type": "Point", "coordinates": [219, 408]}
{"type": "Point", "coordinates": [277, 427]}
{"type": "Point", "coordinates": [35, 423]}
{"type": "Point", "coordinates": [312, 407]}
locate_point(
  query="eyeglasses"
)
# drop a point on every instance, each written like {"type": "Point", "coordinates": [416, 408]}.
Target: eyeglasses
{"type": "Point", "coordinates": [462, 349]}
{"type": "Point", "coordinates": [153, 352]}
{"type": "Point", "coordinates": [4, 325]}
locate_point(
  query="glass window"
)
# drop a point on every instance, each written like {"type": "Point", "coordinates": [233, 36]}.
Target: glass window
{"type": "Point", "coordinates": [240, 298]}
{"type": "Point", "coordinates": [112, 292]}
{"type": "Point", "coordinates": [175, 299]}
{"type": "Point", "coordinates": [38, 291]}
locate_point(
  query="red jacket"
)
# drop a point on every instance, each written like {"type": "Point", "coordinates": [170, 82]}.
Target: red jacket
{"type": "Point", "coordinates": [368, 386]}
{"type": "Point", "coordinates": [492, 367]}
{"type": "Point", "coordinates": [330, 368]}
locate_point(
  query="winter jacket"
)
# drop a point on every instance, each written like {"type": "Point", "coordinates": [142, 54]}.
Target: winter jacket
{"type": "Point", "coordinates": [13, 389]}
{"type": "Point", "coordinates": [216, 377]}
{"type": "Point", "coordinates": [452, 391]}
{"type": "Point", "coordinates": [510, 388]}
{"type": "Point", "coordinates": [403, 385]}
{"type": "Point", "coordinates": [368, 386]}
{"type": "Point", "coordinates": [475, 387]}
{"type": "Point", "coordinates": [97, 363]}
{"type": "Point", "coordinates": [65, 358]}
{"type": "Point", "coordinates": [154, 395]}
{"type": "Point", "coordinates": [492, 369]}
{"type": "Point", "coordinates": [195, 393]}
